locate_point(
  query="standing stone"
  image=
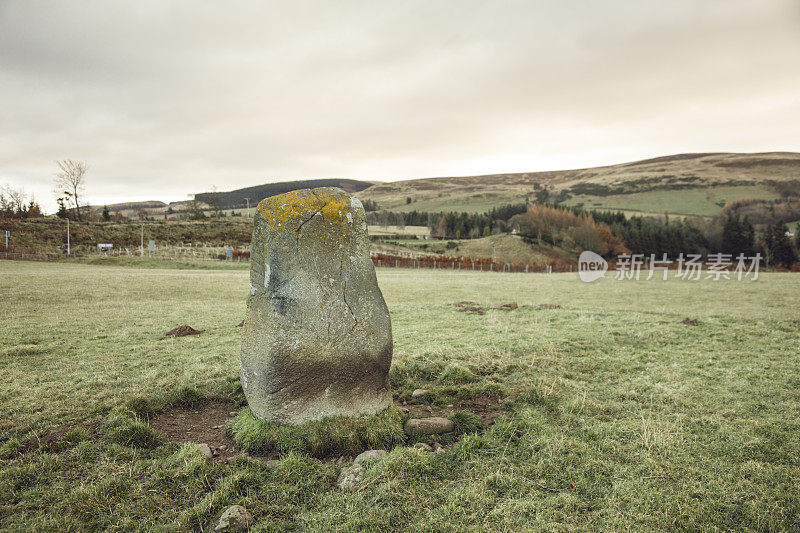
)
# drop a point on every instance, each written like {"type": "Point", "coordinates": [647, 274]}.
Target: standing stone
{"type": "Point", "coordinates": [317, 336]}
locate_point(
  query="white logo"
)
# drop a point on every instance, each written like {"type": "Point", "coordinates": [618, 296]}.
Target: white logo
{"type": "Point", "coordinates": [591, 266]}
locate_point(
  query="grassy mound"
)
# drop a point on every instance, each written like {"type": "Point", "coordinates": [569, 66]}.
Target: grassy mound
{"type": "Point", "coordinates": [121, 426]}
{"type": "Point", "coordinates": [330, 436]}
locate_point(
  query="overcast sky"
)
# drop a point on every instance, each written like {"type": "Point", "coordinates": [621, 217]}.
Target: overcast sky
{"type": "Point", "coordinates": [169, 98]}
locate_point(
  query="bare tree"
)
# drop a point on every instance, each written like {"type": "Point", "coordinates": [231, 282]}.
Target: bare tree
{"type": "Point", "coordinates": [71, 181]}
{"type": "Point", "coordinates": [215, 205]}
{"type": "Point", "coordinates": [14, 203]}
{"type": "Point", "coordinates": [12, 200]}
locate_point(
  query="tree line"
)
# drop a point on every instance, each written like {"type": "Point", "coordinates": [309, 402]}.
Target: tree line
{"type": "Point", "coordinates": [611, 233]}
{"type": "Point", "coordinates": [14, 203]}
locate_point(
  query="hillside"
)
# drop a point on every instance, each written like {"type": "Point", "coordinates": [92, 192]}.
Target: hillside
{"type": "Point", "coordinates": [150, 208]}
{"type": "Point", "coordinates": [49, 234]}
{"type": "Point", "coordinates": [685, 184]}
{"type": "Point", "coordinates": [506, 248]}
{"type": "Point", "coordinates": [239, 197]}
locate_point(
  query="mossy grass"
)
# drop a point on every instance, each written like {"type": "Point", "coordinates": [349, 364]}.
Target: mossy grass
{"type": "Point", "coordinates": [122, 427]}
{"type": "Point", "coordinates": [614, 415]}
{"type": "Point", "coordinates": [465, 422]}
{"type": "Point", "coordinates": [337, 435]}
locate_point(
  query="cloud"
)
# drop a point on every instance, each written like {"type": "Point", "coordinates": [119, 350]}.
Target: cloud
{"type": "Point", "coordinates": [167, 99]}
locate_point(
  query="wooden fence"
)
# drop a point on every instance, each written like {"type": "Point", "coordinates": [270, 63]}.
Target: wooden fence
{"type": "Point", "coordinates": [466, 263]}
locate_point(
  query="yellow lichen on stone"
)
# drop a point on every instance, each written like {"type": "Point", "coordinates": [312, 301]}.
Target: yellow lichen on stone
{"type": "Point", "coordinates": [278, 211]}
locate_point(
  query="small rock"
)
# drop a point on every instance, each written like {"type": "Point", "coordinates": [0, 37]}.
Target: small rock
{"type": "Point", "coordinates": [369, 456]}
{"type": "Point", "coordinates": [223, 447]}
{"type": "Point", "coordinates": [240, 324]}
{"type": "Point", "coordinates": [218, 427]}
{"type": "Point", "coordinates": [234, 413]}
{"type": "Point", "coordinates": [234, 518]}
{"type": "Point", "coordinates": [438, 449]}
{"type": "Point", "coordinates": [419, 392]}
{"type": "Point", "coordinates": [428, 426]}
{"type": "Point", "coordinates": [350, 477]}
{"type": "Point", "coordinates": [206, 450]}
{"type": "Point", "coordinates": [421, 446]}
{"type": "Point", "coordinates": [449, 405]}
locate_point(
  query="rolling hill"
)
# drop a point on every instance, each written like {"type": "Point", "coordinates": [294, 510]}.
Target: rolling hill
{"type": "Point", "coordinates": [238, 198]}
{"type": "Point", "coordinates": [682, 184]}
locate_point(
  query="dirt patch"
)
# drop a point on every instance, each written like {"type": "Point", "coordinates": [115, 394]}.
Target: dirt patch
{"type": "Point", "coordinates": [470, 307]}
{"type": "Point", "coordinates": [204, 424]}
{"type": "Point", "coordinates": [690, 322]}
{"type": "Point", "coordinates": [476, 308]}
{"type": "Point", "coordinates": [548, 306]}
{"type": "Point", "coordinates": [484, 406]}
{"type": "Point", "coordinates": [183, 331]}
{"type": "Point", "coordinates": [240, 324]}
{"type": "Point", "coordinates": [55, 439]}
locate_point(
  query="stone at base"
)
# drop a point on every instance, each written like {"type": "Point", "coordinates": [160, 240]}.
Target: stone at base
{"type": "Point", "coordinates": [234, 518]}
{"type": "Point", "coordinates": [428, 426]}
{"type": "Point", "coordinates": [350, 477]}
{"type": "Point", "coordinates": [369, 456]}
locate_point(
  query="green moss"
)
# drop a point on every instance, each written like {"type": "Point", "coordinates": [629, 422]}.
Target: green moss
{"type": "Point", "coordinates": [330, 436]}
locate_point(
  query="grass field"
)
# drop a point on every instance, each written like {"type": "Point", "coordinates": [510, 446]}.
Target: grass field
{"type": "Point", "coordinates": [615, 416]}
{"type": "Point", "coordinates": [458, 203]}
{"type": "Point", "coordinates": [725, 176]}
{"type": "Point", "coordinates": [506, 248]}
{"type": "Point", "coordinates": [706, 201]}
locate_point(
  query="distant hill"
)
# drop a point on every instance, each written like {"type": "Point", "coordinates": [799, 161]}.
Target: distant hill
{"type": "Point", "coordinates": [236, 198]}
{"type": "Point", "coordinates": [684, 184]}
{"type": "Point", "coordinates": [149, 207]}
